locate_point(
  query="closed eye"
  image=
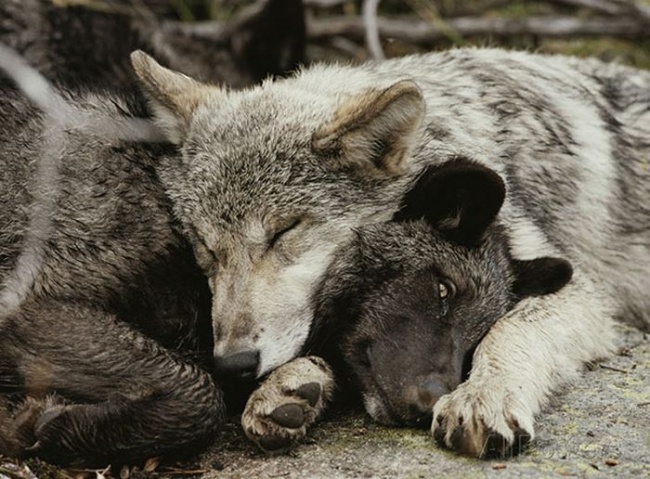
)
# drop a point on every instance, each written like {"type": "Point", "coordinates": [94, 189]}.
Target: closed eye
{"type": "Point", "coordinates": [205, 258]}
{"type": "Point", "coordinates": [280, 233]}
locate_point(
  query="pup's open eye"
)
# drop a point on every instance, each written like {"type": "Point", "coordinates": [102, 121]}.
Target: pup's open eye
{"type": "Point", "coordinates": [277, 236]}
{"type": "Point", "coordinates": [446, 289]}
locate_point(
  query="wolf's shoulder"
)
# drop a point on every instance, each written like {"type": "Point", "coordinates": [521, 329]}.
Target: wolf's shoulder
{"type": "Point", "coordinates": [458, 68]}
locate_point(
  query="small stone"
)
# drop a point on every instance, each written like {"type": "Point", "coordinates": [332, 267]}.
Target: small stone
{"type": "Point", "coordinates": [499, 465]}
{"type": "Point", "coordinates": [611, 462]}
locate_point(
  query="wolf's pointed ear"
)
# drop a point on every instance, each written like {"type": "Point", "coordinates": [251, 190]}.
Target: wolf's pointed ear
{"type": "Point", "coordinates": [460, 198]}
{"type": "Point", "coordinates": [540, 276]}
{"type": "Point", "coordinates": [373, 130]}
{"type": "Point", "coordinates": [174, 96]}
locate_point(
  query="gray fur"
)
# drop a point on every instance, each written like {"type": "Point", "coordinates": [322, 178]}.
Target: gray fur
{"type": "Point", "coordinates": [275, 178]}
{"type": "Point", "coordinates": [103, 322]}
{"type": "Point", "coordinates": [98, 273]}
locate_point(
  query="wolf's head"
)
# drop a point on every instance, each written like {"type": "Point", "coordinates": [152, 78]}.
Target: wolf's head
{"type": "Point", "coordinates": [270, 182]}
{"type": "Point", "coordinates": [409, 301]}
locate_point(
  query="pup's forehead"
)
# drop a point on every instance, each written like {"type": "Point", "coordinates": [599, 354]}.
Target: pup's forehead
{"type": "Point", "coordinates": [403, 246]}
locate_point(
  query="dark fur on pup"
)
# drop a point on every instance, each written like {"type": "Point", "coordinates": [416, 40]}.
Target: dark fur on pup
{"type": "Point", "coordinates": [412, 299]}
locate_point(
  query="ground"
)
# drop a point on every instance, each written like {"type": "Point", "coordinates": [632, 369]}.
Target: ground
{"type": "Point", "coordinates": [597, 427]}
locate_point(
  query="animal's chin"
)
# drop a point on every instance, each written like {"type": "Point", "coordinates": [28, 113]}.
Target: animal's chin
{"type": "Point", "coordinates": [383, 414]}
{"type": "Point", "coordinates": [379, 412]}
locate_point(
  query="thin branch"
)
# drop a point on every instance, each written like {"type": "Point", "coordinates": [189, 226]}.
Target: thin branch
{"type": "Point", "coordinates": [323, 3]}
{"type": "Point", "coordinates": [369, 16]}
{"type": "Point", "coordinates": [603, 6]}
{"type": "Point", "coordinates": [422, 32]}
{"type": "Point", "coordinates": [633, 8]}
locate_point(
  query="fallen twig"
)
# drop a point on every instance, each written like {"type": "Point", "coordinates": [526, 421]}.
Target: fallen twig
{"type": "Point", "coordinates": [612, 368]}
{"type": "Point", "coordinates": [369, 15]}
{"type": "Point", "coordinates": [421, 32]}
{"type": "Point", "coordinates": [614, 7]}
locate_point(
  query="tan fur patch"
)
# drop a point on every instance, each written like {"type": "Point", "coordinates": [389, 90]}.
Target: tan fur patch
{"type": "Point", "coordinates": [374, 127]}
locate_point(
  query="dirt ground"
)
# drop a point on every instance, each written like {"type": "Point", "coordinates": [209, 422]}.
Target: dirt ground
{"type": "Point", "coordinates": [597, 427]}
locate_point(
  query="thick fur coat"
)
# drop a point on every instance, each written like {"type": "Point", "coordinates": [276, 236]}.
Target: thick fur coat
{"type": "Point", "coordinates": [104, 315]}
{"type": "Point", "coordinates": [337, 147]}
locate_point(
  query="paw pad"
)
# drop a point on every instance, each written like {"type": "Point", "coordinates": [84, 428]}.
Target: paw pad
{"type": "Point", "coordinates": [289, 415]}
{"type": "Point", "coordinates": [274, 443]}
{"type": "Point", "coordinates": [310, 392]}
{"type": "Point", "coordinates": [282, 409]}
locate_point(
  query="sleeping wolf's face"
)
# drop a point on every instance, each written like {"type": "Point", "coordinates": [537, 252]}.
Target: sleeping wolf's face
{"type": "Point", "coordinates": [266, 198]}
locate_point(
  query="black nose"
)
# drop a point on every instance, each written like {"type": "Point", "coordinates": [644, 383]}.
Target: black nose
{"type": "Point", "coordinates": [242, 365]}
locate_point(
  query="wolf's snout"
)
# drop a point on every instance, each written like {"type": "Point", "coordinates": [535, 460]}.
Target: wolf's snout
{"type": "Point", "coordinates": [242, 365]}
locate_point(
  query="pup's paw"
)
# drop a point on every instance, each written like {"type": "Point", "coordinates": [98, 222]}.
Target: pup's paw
{"type": "Point", "coordinates": [482, 420]}
{"type": "Point", "coordinates": [281, 410]}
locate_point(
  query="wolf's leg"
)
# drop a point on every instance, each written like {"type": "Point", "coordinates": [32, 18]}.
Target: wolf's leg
{"type": "Point", "coordinates": [542, 343]}
{"type": "Point", "coordinates": [18, 419]}
{"type": "Point", "coordinates": [131, 398]}
{"type": "Point", "coordinates": [288, 402]}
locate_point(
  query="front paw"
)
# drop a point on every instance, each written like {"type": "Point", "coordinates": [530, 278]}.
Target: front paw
{"type": "Point", "coordinates": [482, 420]}
{"type": "Point", "coordinates": [287, 403]}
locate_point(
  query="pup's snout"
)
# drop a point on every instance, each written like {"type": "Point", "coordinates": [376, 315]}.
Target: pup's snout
{"type": "Point", "coordinates": [242, 365]}
{"type": "Point", "coordinates": [422, 399]}
{"type": "Point", "coordinates": [431, 390]}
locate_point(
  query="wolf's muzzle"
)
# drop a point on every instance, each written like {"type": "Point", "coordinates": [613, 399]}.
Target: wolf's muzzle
{"type": "Point", "coordinates": [242, 365]}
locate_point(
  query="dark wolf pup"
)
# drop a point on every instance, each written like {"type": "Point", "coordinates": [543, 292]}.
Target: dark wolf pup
{"type": "Point", "coordinates": [337, 147]}
{"type": "Point", "coordinates": [105, 315]}
{"type": "Point", "coordinates": [404, 306]}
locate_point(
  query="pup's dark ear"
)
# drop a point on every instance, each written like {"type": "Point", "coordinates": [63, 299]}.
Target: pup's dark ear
{"type": "Point", "coordinates": [271, 37]}
{"type": "Point", "coordinates": [460, 198]}
{"type": "Point", "coordinates": [540, 276]}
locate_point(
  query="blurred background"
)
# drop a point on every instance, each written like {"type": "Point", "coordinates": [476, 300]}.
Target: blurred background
{"type": "Point", "coordinates": [608, 29]}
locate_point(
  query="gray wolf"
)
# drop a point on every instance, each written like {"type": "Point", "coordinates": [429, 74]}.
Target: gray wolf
{"type": "Point", "coordinates": [337, 147]}
{"type": "Point", "coordinates": [103, 332]}
{"type": "Point", "coordinates": [405, 304]}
